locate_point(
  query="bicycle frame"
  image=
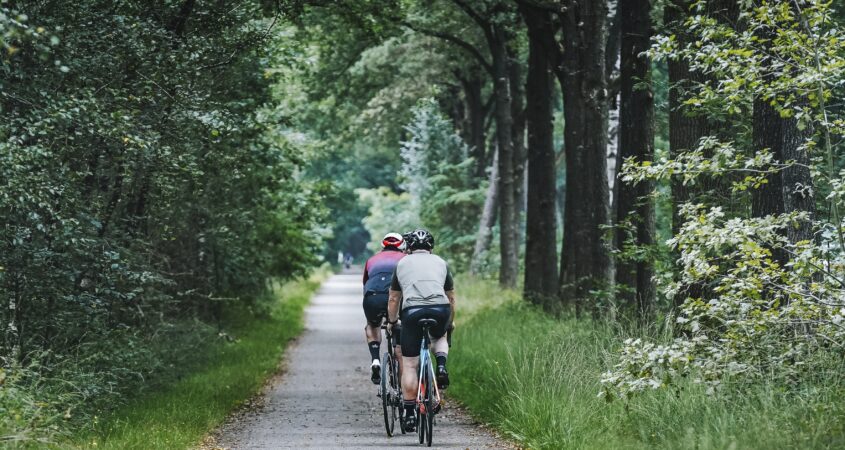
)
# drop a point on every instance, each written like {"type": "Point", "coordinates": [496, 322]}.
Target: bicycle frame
{"type": "Point", "coordinates": [426, 365]}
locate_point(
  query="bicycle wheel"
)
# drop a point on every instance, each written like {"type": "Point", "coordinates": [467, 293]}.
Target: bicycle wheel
{"type": "Point", "coordinates": [421, 411]}
{"type": "Point", "coordinates": [396, 389]}
{"type": "Point", "coordinates": [429, 407]}
{"type": "Point", "coordinates": [386, 395]}
{"type": "Point", "coordinates": [421, 418]}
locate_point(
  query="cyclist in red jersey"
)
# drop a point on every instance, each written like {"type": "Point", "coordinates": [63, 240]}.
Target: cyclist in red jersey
{"type": "Point", "coordinates": [378, 273]}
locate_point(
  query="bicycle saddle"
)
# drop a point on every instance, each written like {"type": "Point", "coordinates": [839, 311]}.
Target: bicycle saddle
{"type": "Point", "coordinates": [427, 323]}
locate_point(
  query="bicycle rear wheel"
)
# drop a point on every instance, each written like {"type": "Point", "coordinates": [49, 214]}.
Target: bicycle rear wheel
{"type": "Point", "coordinates": [429, 407]}
{"type": "Point", "coordinates": [386, 395]}
{"type": "Point", "coordinates": [422, 415]}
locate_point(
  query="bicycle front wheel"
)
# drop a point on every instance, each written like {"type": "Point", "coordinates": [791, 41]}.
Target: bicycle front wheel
{"type": "Point", "coordinates": [387, 395]}
{"type": "Point", "coordinates": [396, 389]}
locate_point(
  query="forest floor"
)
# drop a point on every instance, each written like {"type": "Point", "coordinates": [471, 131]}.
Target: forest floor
{"type": "Point", "coordinates": [324, 397]}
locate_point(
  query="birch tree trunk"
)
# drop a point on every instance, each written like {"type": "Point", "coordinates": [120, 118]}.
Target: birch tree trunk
{"type": "Point", "coordinates": [488, 218]}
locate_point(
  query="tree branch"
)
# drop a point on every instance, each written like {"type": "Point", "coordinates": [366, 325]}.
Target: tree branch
{"type": "Point", "coordinates": [483, 23]}
{"type": "Point", "coordinates": [471, 49]}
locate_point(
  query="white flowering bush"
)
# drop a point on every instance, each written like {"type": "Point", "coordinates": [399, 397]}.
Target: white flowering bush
{"type": "Point", "coordinates": [756, 317]}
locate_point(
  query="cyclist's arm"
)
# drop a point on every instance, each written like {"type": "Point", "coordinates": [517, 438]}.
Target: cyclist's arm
{"type": "Point", "coordinates": [449, 287]}
{"type": "Point", "coordinates": [394, 300]}
{"type": "Point", "coordinates": [451, 296]}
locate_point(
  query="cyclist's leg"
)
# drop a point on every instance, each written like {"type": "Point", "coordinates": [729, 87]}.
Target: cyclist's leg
{"type": "Point", "coordinates": [410, 339]}
{"type": "Point", "coordinates": [440, 343]}
{"type": "Point", "coordinates": [375, 308]}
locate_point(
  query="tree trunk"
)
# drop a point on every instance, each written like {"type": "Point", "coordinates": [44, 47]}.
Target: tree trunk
{"type": "Point", "coordinates": [684, 131]}
{"type": "Point", "coordinates": [520, 156]}
{"type": "Point", "coordinates": [586, 263]}
{"type": "Point", "coordinates": [791, 188]}
{"type": "Point", "coordinates": [488, 219]}
{"type": "Point", "coordinates": [635, 207]}
{"type": "Point", "coordinates": [766, 134]}
{"type": "Point", "coordinates": [475, 114]}
{"type": "Point", "coordinates": [612, 61]}
{"type": "Point", "coordinates": [797, 182]}
{"type": "Point", "coordinates": [541, 274]}
{"type": "Point", "coordinates": [509, 265]}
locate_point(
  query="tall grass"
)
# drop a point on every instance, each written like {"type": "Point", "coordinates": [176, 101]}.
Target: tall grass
{"type": "Point", "coordinates": [227, 373]}
{"type": "Point", "coordinates": [536, 379]}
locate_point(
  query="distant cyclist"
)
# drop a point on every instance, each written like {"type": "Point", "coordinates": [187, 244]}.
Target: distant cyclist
{"type": "Point", "coordinates": [378, 273]}
{"type": "Point", "coordinates": [422, 287]}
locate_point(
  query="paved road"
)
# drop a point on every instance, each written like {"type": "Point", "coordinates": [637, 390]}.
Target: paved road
{"type": "Point", "coordinates": [324, 398]}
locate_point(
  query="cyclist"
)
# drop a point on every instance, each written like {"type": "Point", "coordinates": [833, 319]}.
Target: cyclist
{"type": "Point", "coordinates": [378, 273]}
{"type": "Point", "coordinates": [423, 285]}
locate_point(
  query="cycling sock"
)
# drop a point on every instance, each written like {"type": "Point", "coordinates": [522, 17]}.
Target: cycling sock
{"type": "Point", "coordinates": [441, 358]}
{"type": "Point", "coordinates": [410, 407]}
{"type": "Point", "coordinates": [374, 349]}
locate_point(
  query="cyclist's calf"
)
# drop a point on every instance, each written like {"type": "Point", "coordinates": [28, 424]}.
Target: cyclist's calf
{"type": "Point", "coordinates": [410, 369]}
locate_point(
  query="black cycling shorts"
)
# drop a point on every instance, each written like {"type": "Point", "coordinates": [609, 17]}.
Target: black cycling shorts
{"type": "Point", "coordinates": [375, 308]}
{"type": "Point", "coordinates": [412, 332]}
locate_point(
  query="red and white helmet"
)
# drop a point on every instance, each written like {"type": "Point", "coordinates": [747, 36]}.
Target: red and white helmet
{"type": "Point", "coordinates": [394, 240]}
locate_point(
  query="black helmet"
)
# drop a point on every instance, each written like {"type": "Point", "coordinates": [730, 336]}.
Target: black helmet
{"type": "Point", "coordinates": [420, 239]}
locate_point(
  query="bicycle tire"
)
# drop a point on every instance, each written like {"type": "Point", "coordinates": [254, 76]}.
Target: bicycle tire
{"type": "Point", "coordinates": [386, 400]}
{"type": "Point", "coordinates": [421, 426]}
{"type": "Point", "coordinates": [422, 415]}
{"type": "Point", "coordinates": [429, 408]}
{"type": "Point", "coordinates": [396, 383]}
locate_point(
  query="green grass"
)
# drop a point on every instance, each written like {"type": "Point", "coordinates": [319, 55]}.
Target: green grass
{"type": "Point", "coordinates": [182, 412]}
{"type": "Point", "coordinates": [536, 379]}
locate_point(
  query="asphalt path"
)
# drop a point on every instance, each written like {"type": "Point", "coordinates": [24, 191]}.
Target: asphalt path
{"type": "Point", "coordinates": [324, 397]}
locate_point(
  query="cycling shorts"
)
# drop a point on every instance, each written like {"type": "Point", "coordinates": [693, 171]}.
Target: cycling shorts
{"type": "Point", "coordinates": [412, 332]}
{"type": "Point", "coordinates": [375, 308]}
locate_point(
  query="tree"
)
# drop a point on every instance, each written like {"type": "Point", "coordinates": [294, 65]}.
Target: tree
{"type": "Point", "coordinates": [541, 270]}
{"type": "Point", "coordinates": [586, 264]}
{"type": "Point", "coordinates": [635, 206]}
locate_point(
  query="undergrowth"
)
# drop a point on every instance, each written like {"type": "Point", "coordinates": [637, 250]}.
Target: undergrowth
{"type": "Point", "coordinates": [536, 379]}
{"type": "Point", "coordinates": [162, 387]}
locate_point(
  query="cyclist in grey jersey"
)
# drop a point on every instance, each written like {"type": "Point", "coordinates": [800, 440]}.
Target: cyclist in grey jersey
{"type": "Point", "coordinates": [423, 285]}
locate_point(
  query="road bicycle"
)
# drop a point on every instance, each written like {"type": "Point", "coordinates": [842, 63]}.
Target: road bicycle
{"type": "Point", "coordinates": [428, 393]}
{"type": "Point", "coordinates": [390, 389]}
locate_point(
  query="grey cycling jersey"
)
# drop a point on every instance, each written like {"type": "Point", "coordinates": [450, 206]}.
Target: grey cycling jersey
{"type": "Point", "coordinates": [423, 279]}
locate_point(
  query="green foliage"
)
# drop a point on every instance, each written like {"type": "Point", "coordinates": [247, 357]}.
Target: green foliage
{"type": "Point", "coordinates": [143, 183]}
{"type": "Point", "coordinates": [439, 192]}
{"type": "Point", "coordinates": [388, 213]}
{"type": "Point", "coordinates": [436, 173]}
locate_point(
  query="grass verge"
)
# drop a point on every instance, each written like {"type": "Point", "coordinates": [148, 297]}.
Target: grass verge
{"type": "Point", "coordinates": [536, 379]}
{"type": "Point", "coordinates": [180, 413]}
